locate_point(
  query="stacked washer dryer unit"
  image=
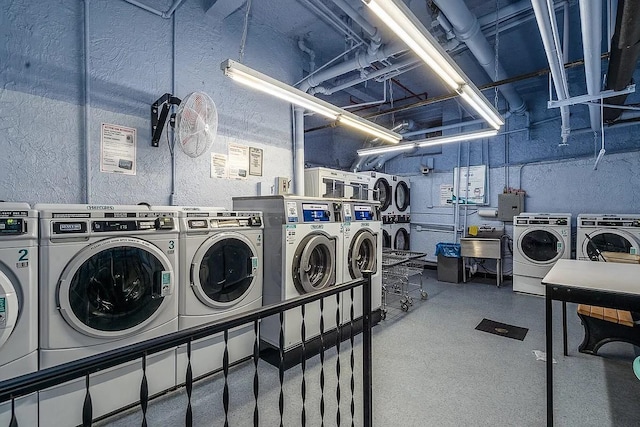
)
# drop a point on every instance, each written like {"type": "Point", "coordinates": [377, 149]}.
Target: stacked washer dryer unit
{"type": "Point", "coordinates": [304, 240]}
{"type": "Point", "coordinates": [383, 187]}
{"type": "Point", "coordinates": [401, 214]}
{"type": "Point", "coordinates": [607, 233]}
{"type": "Point", "coordinates": [107, 279]}
{"type": "Point", "coordinates": [18, 304]}
{"type": "Point", "coordinates": [540, 240]}
{"type": "Point", "coordinates": [220, 276]}
{"type": "Point", "coordinates": [362, 251]}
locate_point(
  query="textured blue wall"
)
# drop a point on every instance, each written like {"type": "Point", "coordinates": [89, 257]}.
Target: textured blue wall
{"type": "Point", "coordinates": [41, 98]}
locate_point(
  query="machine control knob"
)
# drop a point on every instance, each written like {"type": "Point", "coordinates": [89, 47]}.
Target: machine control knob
{"type": "Point", "coordinates": [255, 221]}
{"type": "Point", "coordinates": [327, 214]}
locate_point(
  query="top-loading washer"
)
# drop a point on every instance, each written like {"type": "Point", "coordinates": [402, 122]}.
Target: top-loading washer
{"type": "Point", "coordinates": [107, 278]}
{"type": "Point", "coordinates": [539, 241]}
{"type": "Point", "coordinates": [358, 186]}
{"type": "Point", "coordinates": [220, 276]}
{"type": "Point", "coordinates": [18, 304]}
{"type": "Point", "coordinates": [325, 182]}
{"type": "Point", "coordinates": [304, 237]}
{"type": "Point", "coordinates": [362, 252]}
{"type": "Point", "coordinates": [607, 233]}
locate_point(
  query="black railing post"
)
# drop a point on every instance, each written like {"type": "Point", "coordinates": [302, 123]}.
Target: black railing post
{"type": "Point", "coordinates": [367, 382]}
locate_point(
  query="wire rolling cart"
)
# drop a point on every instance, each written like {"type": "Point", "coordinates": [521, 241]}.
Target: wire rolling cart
{"type": "Point", "coordinates": [397, 267]}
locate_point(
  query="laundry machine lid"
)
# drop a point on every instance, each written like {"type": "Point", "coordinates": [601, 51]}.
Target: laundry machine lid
{"type": "Point", "coordinates": [401, 239]}
{"type": "Point", "coordinates": [362, 253]}
{"type": "Point", "coordinates": [9, 308]}
{"type": "Point", "coordinates": [382, 193]}
{"type": "Point", "coordinates": [541, 245]}
{"type": "Point", "coordinates": [402, 196]}
{"type": "Point", "coordinates": [386, 239]}
{"type": "Point", "coordinates": [114, 287]}
{"type": "Point", "coordinates": [224, 269]}
{"type": "Point", "coordinates": [609, 240]}
{"type": "Point", "coordinates": [314, 263]}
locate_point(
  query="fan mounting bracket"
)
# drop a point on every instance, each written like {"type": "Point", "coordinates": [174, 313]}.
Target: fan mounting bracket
{"type": "Point", "coordinates": [158, 120]}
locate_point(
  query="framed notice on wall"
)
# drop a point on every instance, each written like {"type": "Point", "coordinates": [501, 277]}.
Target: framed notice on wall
{"type": "Point", "coordinates": [469, 185]}
{"type": "Point", "coordinates": [255, 161]}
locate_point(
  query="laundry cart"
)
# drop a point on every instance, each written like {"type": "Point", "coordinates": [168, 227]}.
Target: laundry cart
{"type": "Point", "coordinates": [397, 269]}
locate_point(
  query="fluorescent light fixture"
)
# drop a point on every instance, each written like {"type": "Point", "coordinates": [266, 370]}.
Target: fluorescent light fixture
{"type": "Point", "coordinates": [399, 18]}
{"type": "Point", "coordinates": [465, 136]}
{"type": "Point", "coordinates": [252, 78]}
{"type": "Point", "coordinates": [387, 149]}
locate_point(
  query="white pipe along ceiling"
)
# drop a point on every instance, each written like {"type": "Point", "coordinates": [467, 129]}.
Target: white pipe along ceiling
{"type": "Point", "coordinates": [591, 22]}
{"type": "Point", "coordinates": [553, 52]}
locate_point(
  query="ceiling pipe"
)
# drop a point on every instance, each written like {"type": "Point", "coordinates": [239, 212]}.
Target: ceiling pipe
{"type": "Point", "coordinates": [546, 25]}
{"type": "Point", "coordinates": [467, 29]}
{"type": "Point", "coordinates": [591, 22]}
{"type": "Point", "coordinates": [165, 15]}
{"type": "Point", "coordinates": [364, 163]}
{"type": "Point", "coordinates": [310, 52]}
{"type": "Point", "coordinates": [372, 31]}
{"type": "Point", "coordinates": [625, 50]}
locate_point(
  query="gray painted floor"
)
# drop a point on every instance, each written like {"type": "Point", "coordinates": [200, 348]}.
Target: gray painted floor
{"type": "Point", "coordinates": [432, 368]}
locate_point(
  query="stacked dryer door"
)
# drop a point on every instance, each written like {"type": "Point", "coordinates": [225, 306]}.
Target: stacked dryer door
{"type": "Point", "coordinates": [400, 236]}
{"type": "Point", "coordinates": [362, 252]}
{"type": "Point", "coordinates": [402, 197]}
{"type": "Point", "coordinates": [18, 305]}
{"type": "Point", "coordinates": [304, 240]}
{"type": "Point", "coordinates": [221, 276]}
{"type": "Point", "coordinates": [607, 233]}
{"type": "Point", "coordinates": [107, 276]}
{"type": "Point", "coordinates": [539, 241]}
{"type": "Point", "coordinates": [383, 190]}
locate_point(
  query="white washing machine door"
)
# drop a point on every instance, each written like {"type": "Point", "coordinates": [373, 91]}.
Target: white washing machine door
{"type": "Point", "coordinates": [609, 240]}
{"type": "Point", "coordinates": [402, 196]}
{"type": "Point", "coordinates": [401, 239]}
{"type": "Point", "coordinates": [541, 246]}
{"type": "Point", "coordinates": [115, 287]}
{"type": "Point", "coordinates": [9, 308]}
{"type": "Point", "coordinates": [382, 193]}
{"type": "Point", "coordinates": [314, 263]}
{"type": "Point", "coordinates": [362, 253]}
{"type": "Point", "coordinates": [224, 269]}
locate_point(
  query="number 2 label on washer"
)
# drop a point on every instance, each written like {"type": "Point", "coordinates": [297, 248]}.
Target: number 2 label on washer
{"type": "Point", "coordinates": [24, 255]}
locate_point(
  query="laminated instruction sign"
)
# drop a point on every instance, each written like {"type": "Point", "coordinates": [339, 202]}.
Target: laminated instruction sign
{"type": "Point", "coordinates": [118, 149]}
{"type": "Point", "coordinates": [469, 185]}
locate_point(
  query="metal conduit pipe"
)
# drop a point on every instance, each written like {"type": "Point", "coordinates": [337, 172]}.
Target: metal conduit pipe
{"type": "Point", "coordinates": [359, 61]}
{"type": "Point", "coordinates": [87, 105]}
{"type": "Point", "coordinates": [298, 151]}
{"type": "Point", "coordinates": [374, 34]}
{"type": "Point", "coordinates": [591, 22]}
{"type": "Point", "coordinates": [310, 52]}
{"type": "Point", "coordinates": [165, 15]}
{"type": "Point", "coordinates": [543, 19]}
{"type": "Point", "coordinates": [467, 29]}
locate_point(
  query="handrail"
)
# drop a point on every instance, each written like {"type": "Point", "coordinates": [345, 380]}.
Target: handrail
{"type": "Point", "coordinates": [49, 377]}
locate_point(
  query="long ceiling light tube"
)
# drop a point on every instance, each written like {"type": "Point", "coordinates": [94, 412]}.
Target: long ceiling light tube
{"type": "Point", "coordinates": [399, 18]}
{"type": "Point", "coordinates": [428, 142]}
{"type": "Point", "coordinates": [256, 80]}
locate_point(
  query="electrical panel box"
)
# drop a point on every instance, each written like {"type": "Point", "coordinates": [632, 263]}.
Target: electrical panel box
{"type": "Point", "coordinates": [510, 205]}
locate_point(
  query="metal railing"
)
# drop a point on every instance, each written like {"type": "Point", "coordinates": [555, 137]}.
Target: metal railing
{"type": "Point", "coordinates": [14, 388]}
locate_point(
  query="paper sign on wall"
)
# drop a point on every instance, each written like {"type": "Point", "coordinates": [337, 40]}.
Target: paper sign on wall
{"type": "Point", "coordinates": [219, 165]}
{"type": "Point", "coordinates": [472, 181]}
{"type": "Point", "coordinates": [118, 149]}
{"type": "Point", "coordinates": [446, 194]}
{"type": "Point", "coordinates": [255, 161]}
{"type": "Point", "coordinates": [238, 161]}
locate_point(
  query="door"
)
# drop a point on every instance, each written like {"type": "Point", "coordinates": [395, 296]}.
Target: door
{"type": "Point", "coordinates": [608, 240]}
{"type": "Point", "coordinates": [402, 196]}
{"type": "Point", "coordinates": [386, 239]}
{"type": "Point", "coordinates": [401, 239]}
{"type": "Point", "coordinates": [224, 269]}
{"type": "Point", "coordinates": [541, 246]}
{"type": "Point", "coordinates": [314, 263]}
{"type": "Point", "coordinates": [362, 253]}
{"type": "Point", "coordinates": [382, 193]}
{"type": "Point", "coordinates": [9, 308]}
{"type": "Point", "coordinates": [114, 287]}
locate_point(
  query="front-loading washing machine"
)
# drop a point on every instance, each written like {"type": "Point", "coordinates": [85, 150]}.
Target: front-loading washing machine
{"type": "Point", "coordinates": [18, 305]}
{"type": "Point", "coordinates": [304, 240]}
{"type": "Point", "coordinates": [362, 252]}
{"type": "Point", "coordinates": [607, 233]}
{"type": "Point", "coordinates": [539, 241]}
{"type": "Point", "coordinates": [220, 276]}
{"type": "Point", "coordinates": [107, 279]}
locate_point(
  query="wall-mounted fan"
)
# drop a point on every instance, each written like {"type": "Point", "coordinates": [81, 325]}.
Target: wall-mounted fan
{"type": "Point", "coordinates": [195, 122]}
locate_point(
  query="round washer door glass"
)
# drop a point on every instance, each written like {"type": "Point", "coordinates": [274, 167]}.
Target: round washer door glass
{"type": "Point", "coordinates": [402, 196]}
{"type": "Point", "coordinates": [9, 308]}
{"type": "Point", "coordinates": [362, 254]}
{"type": "Point", "coordinates": [386, 239]}
{"type": "Point", "coordinates": [314, 263]}
{"type": "Point", "coordinates": [606, 242]}
{"type": "Point", "coordinates": [117, 289]}
{"type": "Point", "coordinates": [401, 239]}
{"type": "Point", "coordinates": [541, 246]}
{"type": "Point", "coordinates": [226, 271]}
{"type": "Point", "coordinates": [382, 193]}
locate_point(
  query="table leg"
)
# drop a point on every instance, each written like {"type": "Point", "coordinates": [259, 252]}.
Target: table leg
{"type": "Point", "coordinates": [564, 327]}
{"type": "Point", "coordinates": [549, 350]}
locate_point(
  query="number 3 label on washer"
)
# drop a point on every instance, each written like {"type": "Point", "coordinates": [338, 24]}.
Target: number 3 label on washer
{"type": "Point", "coordinates": [172, 246]}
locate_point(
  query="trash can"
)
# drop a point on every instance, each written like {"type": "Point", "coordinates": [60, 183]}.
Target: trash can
{"type": "Point", "coordinates": [449, 262]}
